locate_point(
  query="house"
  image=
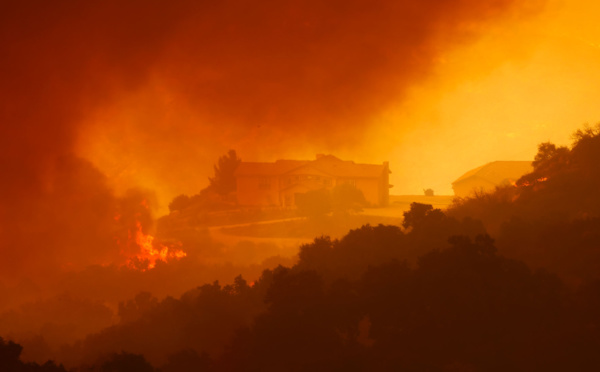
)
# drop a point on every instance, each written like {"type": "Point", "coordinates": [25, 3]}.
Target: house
{"type": "Point", "coordinates": [489, 176]}
{"type": "Point", "coordinates": [278, 183]}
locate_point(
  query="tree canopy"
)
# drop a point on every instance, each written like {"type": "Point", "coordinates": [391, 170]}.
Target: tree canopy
{"type": "Point", "coordinates": [223, 182]}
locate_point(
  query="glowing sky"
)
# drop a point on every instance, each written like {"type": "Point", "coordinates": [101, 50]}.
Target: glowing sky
{"type": "Point", "coordinates": [513, 84]}
{"type": "Point", "coordinates": [518, 86]}
{"type": "Point", "coordinates": [153, 93]}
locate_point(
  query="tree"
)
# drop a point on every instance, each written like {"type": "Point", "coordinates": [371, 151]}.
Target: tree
{"type": "Point", "coordinates": [127, 362]}
{"type": "Point", "coordinates": [9, 354]}
{"type": "Point", "coordinates": [416, 214]}
{"type": "Point", "coordinates": [187, 360]}
{"type": "Point", "coordinates": [134, 309]}
{"type": "Point", "coordinates": [547, 152]}
{"type": "Point", "coordinates": [179, 203]}
{"type": "Point", "coordinates": [346, 197]}
{"type": "Point", "coordinates": [314, 203]}
{"type": "Point", "coordinates": [585, 133]}
{"type": "Point", "coordinates": [224, 180]}
{"type": "Point", "coordinates": [10, 361]}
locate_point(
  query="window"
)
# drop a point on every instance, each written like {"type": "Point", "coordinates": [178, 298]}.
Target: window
{"type": "Point", "coordinates": [264, 183]}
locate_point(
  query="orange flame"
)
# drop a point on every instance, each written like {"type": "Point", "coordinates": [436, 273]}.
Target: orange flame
{"type": "Point", "coordinates": [539, 180]}
{"type": "Point", "coordinates": [142, 251]}
{"type": "Point", "coordinates": [151, 252]}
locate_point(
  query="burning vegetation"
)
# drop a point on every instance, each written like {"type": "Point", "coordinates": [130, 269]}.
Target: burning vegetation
{"type": "Point", "coordinates": [424, 295]}
{"type": "Point", "coordinates": [143, 250]}
{"type": "Point", "coordinates": [100, 96]}
{"type": "Point", "coordinates": [152, 251]}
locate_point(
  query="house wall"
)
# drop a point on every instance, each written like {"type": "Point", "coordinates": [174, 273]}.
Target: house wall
{"type": "Point", "coordinates": [384, 186]}
{"type": "Point", "coordinates": [370, 189]}
{"type": "Point", "coordinates": [289, 194]}
{"type": "Point", "coordinates": [303, 180]}
{"type": "Point", "coordinates": [255, 191]}
{"type": "Point", "coordinates": [281, 190]}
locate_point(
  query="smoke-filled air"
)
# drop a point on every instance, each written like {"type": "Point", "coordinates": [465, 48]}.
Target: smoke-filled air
{"type": "Point", "coordinates": [299, 185]}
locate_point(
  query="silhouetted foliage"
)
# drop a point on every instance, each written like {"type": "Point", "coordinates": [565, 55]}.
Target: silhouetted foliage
{"type": "Point", "coordinates": [223, 181]}
{"type": "Point", "coordinates": [416, 214]}
{"type": "Point", "coordinates": [179, 203]}
{"type": "Point", "coordinates": [462, 308]}
{"type": "Point", "coordinates": [378, 299]}
{"type": "Point", "coordinates": [350, 257]}
{"type": "Point", "coordinates": [314, 203]}
{"type": "Point", "coordinates": [216, 196]}
{"type": "Point", "coordinates": [203, 319]}
{"type": "Point", "coordinates": [10, 353]}
{"type": "Point", "coordinates": [187, 361]}
{"type": "Point", "coordinates": [347, 198]}
{"type": "Point", "coordinates": [547, 154]}
{"type": "Point", "coordinates": [126, 362]}
{"type": "Point", "coordinates": [550, 218]}
{"type": "Point", "coordinates": [133, 309]}
{"type": "Point", "coordinates": [438, 294]}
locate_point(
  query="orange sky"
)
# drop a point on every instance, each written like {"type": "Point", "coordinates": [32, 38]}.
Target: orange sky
{"type": "Point", "coordinates": [153, 93]}
{"type": "Point", "coordinates": [497, 99]}
{"type": "Point", "coordinates": [98, 97]}
{"type": "Point", "coordinates": [512, 84]}
{"type": "Point", "coordinates": [108, 106]}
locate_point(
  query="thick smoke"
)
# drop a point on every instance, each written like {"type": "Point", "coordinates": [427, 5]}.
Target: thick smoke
{"type": "Point", "coordinates": [294, 68]}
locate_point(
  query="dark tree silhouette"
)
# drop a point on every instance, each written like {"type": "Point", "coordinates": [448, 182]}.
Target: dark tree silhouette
{"type": "Point", "coordinates": [187, 361]}
{"type": "Point", "coordinates": [550, 218]}
{"type": "Point", "coordinates": [133, 309]}
{"type": "Point", "coordinates": [10, 354]}
{"type": "Point", "coordinates": [223, 181]}
{"type": "Point", "coordinates": [346, 198]}
{"type": "Point", "coordinates": [126, 362]}
{"type": "Point", "coordinates": [416, 214]}
{"type": "Point", "coordinates": [179, 203]}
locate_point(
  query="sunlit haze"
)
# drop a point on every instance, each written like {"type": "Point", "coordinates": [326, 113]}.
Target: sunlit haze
{"type": "Point", "coordinates": [299, 185]}
{"type": "Point", "coordinates": [515, 83]}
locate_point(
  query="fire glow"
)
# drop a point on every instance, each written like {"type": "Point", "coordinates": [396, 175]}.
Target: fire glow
{"type": "Point", "coordinates": [151, 252]}
{"type": "Point", "coordinates": [539, 180]}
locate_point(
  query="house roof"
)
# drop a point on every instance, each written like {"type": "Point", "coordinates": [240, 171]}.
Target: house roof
{"type": "Point", "coordinates": [247, 168]}
{"type": "Point", "coordinates": [498, 171]}
{"type": "Point", "coordinates": [327, 164]}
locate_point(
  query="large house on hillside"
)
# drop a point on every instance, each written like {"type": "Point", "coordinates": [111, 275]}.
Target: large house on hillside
{"type": "Point", "coordinates": [278, 183]}
{"type": "Point", "coordinates": [489, 176]}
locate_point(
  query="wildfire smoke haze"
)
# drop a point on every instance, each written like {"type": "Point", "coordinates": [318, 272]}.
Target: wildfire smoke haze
{"type": "Point", "coordinates": [109, 109]}
{"type": "Point", "coordinates": [150, 91]}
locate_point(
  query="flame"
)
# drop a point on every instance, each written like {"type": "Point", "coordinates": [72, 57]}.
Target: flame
{"type": "Point", "coordinates": [151, 251]}
{"type": "Point", "coordinates": [527, 183]}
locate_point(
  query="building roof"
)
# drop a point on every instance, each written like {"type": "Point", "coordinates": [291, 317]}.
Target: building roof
{"type": "Point", "coordinates": [247, 168]}
{"type": "Point", "coordinates": [327, 164]}
{"type": "Point", "coordinates": [497, 172]}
